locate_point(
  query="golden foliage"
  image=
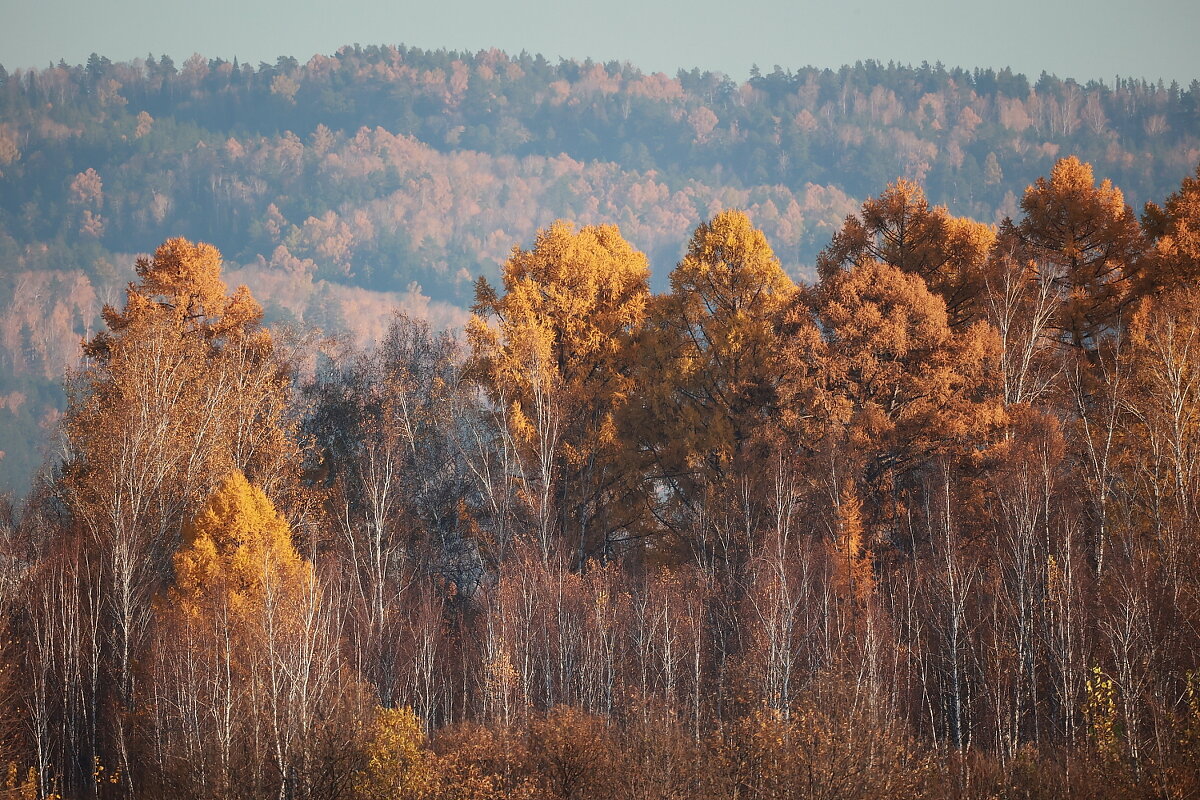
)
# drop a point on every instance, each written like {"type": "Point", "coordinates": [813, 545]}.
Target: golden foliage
{"type": "Point", "coordinates": [398, 763]}
{"type": "Point", "coordinates": [238, 550]}
{"type": "Point", "coordinates": [708, 359]}
{"type": "Point", "coordinates": [555, 363]}
{"type": "Point", "coordinates": [900, 229]}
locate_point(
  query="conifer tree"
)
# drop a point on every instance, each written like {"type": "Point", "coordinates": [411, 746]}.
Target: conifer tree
{"type": "Point", "coordinates": [555, 364]}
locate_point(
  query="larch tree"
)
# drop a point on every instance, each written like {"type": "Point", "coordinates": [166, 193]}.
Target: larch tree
{"type": "Point", "coordinates": [708, 378]}
{"type": "Point", "coordinates": [551, 354]}
{"type": "Point", "coordinates": [708, 366]}
{"type": "Point", "coordinates": [899, 228]}
{"type": "Point", "coordinates": [249, 685]}
{"type": "Point", "coordinates": [890, 385]}
{"type": "Point", "coordinates": [1174, 233]}
{"type": "Point", "coordinates": [1086, 241]}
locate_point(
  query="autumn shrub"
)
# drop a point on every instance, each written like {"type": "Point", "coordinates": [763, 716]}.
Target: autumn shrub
{"type": "Point", "coordinates": [573, 754]}
{"type": "Point", "coordinates": [832, 751]}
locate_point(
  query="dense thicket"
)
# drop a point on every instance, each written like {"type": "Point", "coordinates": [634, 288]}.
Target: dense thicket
{"type": "Point", "coordinates": [926, 528]}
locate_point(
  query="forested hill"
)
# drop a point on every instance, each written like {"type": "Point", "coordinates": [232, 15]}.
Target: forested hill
{"type": "Point", "coordinates": [387, 176]}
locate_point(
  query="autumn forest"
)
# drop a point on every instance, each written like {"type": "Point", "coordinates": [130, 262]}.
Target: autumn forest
{"type": "Point", "coordinates": [882, 498]}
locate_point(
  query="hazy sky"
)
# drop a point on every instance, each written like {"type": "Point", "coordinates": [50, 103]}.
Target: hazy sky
{"type": "Point", "coordinates": [1099, 39]}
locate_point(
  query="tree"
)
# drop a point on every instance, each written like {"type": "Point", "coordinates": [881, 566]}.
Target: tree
{"type": "Point", "coordinates": [556, 366]}
{"type": "Point", "coordinates": [889, 384]}
{"type": "Point", "coordinates": [398, 765]}
{"type": "Point", "coordinates": [899, 228]}
{"type": "Point", "coordinates": [1086, 240]}
{"type": "Point", "coordinates": [1161, 437]}
{"type": "Point", "coordinates": [708, 367]}
{"type": "Point", "coordinates": [1174, 233]}
{"type": "Point", "coordinates": [183, 387]}
{"type": "Point", "coordinates": [389, 428]}
{"type": "Point", "coordinates": [238, 551]}
{"type": "Point", "coordinates": [250, 693]}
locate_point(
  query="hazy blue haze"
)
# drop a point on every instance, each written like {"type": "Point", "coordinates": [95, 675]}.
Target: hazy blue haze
{"type": "Point", "coordinates": [1101, 39]}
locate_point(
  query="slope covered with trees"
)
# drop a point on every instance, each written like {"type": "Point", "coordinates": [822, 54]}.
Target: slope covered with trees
{"type": "Point", "coordinates": [385, 176]}
{"type": "Point", "coordinates": [925, 528]}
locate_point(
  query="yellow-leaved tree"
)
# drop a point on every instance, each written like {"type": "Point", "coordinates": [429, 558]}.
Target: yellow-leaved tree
{"type": "Point", "coordinates": [238, 551]}
{"type": "Point", "coordinates": [551, 353]}
{"type": "Point", "coordinates": [250, 692]}
{"type": "Point", "coordinates": [398, 765]}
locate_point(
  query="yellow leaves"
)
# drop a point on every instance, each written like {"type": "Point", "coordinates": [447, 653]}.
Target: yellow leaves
{"type": "Point", "coordinates": [729, 267]}
{"type": "Point", "coordinates": [1100, 711]}
{"type": "Point", "coordinates": [238, 549]}
{"type": "Point", "coordinates": [101, 775]}
{"type": "Point", "coordinates": [555, 357]}
{"type": "Point", "coordinates": [23, 787]}
{"type": "Point", "coordinates": [398, 766]}
{"type": "Point", "coordinates": [710, 350]}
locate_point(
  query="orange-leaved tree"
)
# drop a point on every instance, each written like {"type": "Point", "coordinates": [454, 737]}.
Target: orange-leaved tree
{"type": "Point", "coordinates": [889, 385]}
{"type": "Point", "coordinates": [1174, 231]}
{"type": "Point", "coordinates": [899, 228]}
{"type": "Point", "coordinates": [1086, 241]}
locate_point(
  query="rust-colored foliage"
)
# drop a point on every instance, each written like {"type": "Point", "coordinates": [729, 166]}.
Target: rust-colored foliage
{"type": "Point", "coordinates": [894, 380]}
{"type": "Point", "coordinates": [1086, 241]}
{"type": "Point", "coordinates": [900, 229]}
{"type": "Point", "coordinates": [1174, 231]}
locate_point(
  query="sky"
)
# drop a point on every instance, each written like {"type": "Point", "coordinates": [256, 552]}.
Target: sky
{"type": "Point", "coordinates": [1069, 38]}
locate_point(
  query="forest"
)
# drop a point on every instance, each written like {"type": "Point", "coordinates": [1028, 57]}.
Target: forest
{"type": "Point", "coordinates": [922, 528]}
{"type": "Point", "coordinates": [383, 176]}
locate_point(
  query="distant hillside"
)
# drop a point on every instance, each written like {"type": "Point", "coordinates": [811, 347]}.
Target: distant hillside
{"type": "Point", "coordinates": [386, 176]}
